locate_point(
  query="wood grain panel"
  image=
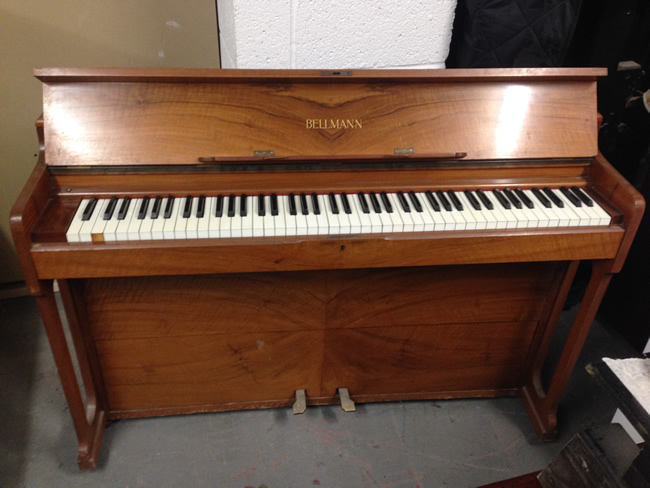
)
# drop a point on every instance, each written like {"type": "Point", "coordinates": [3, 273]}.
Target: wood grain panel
{"type": "Point", "coordinates": [173, 123]}
{"type": "Point", "coordinates": [215, 369]}
{"type": "Point", "coordinates": [173, 306]}
{"type": "Point", "coordinates": [204, 256]}
{"type": "Point", "coordinates": [439, 295]}
{"type": "Point", "coordinates": [451, 357]}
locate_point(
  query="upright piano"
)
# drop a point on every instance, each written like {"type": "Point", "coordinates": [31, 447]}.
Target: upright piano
{"type": "Point", "coordinates": [230, 239]}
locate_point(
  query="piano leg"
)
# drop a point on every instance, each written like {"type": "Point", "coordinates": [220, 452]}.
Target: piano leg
{"type": "Point", "coordinates": [541, 405]}
{"type": "Point", "coordinates": [89, 417]}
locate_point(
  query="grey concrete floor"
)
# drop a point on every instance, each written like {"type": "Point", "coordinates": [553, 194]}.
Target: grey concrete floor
{"type": "Point", "coordinates": [459, 443]}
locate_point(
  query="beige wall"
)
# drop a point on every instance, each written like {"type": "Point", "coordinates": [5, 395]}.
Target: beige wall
{"type": "Point", "coordinates": [169, 33]}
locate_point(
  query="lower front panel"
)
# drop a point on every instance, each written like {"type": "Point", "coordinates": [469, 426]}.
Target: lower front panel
{"type": "Point", "coordinates": [217, 342]}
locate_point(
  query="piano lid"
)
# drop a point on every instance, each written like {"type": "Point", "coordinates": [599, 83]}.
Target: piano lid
{"type": "Point", "coordinates": [108, 117]}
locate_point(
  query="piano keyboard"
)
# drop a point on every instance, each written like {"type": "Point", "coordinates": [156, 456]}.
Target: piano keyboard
{"type": "Point", "coordinates": [231, 216]}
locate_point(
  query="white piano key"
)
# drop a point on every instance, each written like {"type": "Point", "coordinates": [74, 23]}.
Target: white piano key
{"type": "Point", "coordinates": [395, 217]}
{"type": "Point", "coordinates": [180, 225]}
{"type": "Point", "coordinates": [375, 220]}
{"type": "Point", "coordinates": [417, 217]}
{"type": "Point", "coordinates": [384, 217]}
{"type": "Point", "coordinates": [457, 215]}
{"type": "Point", "coordinates": [333, 219]}
{"type": "Point", "coordinates": [146, 227]}
{"type": "Point", "coordinates": [192, 226]}
{"type": "Point", "coordinates": [72, 234]}
{"type": "Point", "coordinates": [353, 217]}
{"type": "Point", "coordinates": [407, 221]}
{"type": "Point", "coordinates": [301, 219]}
{"type": "Point", "coordinates": [214, 226]}
{"type": "Point", "coordinates": [170, 222]}
{"type": "Point", "coordinates": [133, 231]}
{"type": "Point", "coordinates": [543, 220]}
{"type": "Point", "coordinates": [312, 221]}
{"type": "Point", "coordinates": [603, 216]}
{"type": "Point", "coordinates": [100, 223]}
{"type": "Point", "coordinates": [584, 219]}
{"type": "Point", "coordinates": [85, 232]}
{"type": "Point", "coordinates": [474, 218]}
{"type": "Point", "coordinates": [427, 217]}
{"type": "Point", "coordinates": [291, 221]}
{"type": "Point", "coordinates": [203, 228]}
{"type": "Point", "coordinates": [567, 212]}
{"type": "Point", "coordinates": [268, 220]}
{"type": "Point", "coordinates": [252, 224]}
{"type": "Point", "coordinates": [364, 219]}
{"type": "Point", "coordinates": [235, 220]}
{"type": "Point", "coordinates": [322, 218]}
{"type": "Point", "coordinates": [111, 225]}
{"type": "Point", "coordinates": [122, 230]}
{"type": "Point", "coordinates": [280, 224]}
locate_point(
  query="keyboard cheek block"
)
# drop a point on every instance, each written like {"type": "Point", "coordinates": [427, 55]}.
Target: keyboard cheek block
{"type": "Point", "coordinates": [356, 237]}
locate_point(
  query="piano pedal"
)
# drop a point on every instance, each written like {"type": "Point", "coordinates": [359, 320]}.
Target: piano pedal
{"type": "Point", "coordinates": [300, 404]}
{"type": "Point", "coordinates": [346, 402]}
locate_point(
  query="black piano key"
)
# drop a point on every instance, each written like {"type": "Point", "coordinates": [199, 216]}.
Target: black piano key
{"type": "Point", "coordinates": [553, 197]}
{"type": "Point", "coordinates": [90, 208]}
{"type": "Point", "coordinates": [304, 209]}
{"type": "Point", "coordinates": [502, 200]}
{"type": "Point", "coordinates": [572, 198]}
{"type": "Point", "coordinates": [363, 202]}
{"type": "Point", "coordinates": [486, 201]}
{"type": "Point", "coordinates": [444, 200]}
{"type": "Point", "coordinates": [314, 203]}
{"type": "Point", "coordinates": [169, 206]}
{"type": "Point", "coordinates": [231, 206]}
{"type": "Point", "coordinates": [200, 208]}
{"type": "Point", "coordinates": [511, 196]}
{"type": "Point", "coordinates": [142, 213]}
{"type": "Point", "coordinates": [374, 201]}
{"type": "Point", "coordinates": [110, 208]}
{"type": "Point", "coordinates": [524, 198]}
{"type": "Point", "coordinates": [582, 196]}
{"type": "Point", "coordinates": [274, 204]}
{"type": "Point", "coordinates": [346, 204]}
{"type": "Point", "coordinates": [292, 204]}
{"type": "Point", "coordinates": [187, 209]}
{"type": "Point", "coordinates": [415, 201]}
{"type": "Point", "coordinates": [218, 211]}
{"type": "Point", "coordinates": [542, 199]}
{"type": "Point", "coordinates": [387, 205]}
{"type": "Point", "coordinates": [402, 201]}
{"type": "Point", "coordinates": [454, 199]}
{"type": "Point", "coordinates": [333, 205]}
{"type": "Point", "coordinates": [473, 201]}
{"type": "Point", "coordinates": [261, 206]}
{"type": "Point", "coordinates": [243, 206]}
{"type": "Point", "coordinates": [432, 201]}
{"type": "Point", "coordinates": [155, 210]}
{"type": "Point", "coordinates": [124, 208]}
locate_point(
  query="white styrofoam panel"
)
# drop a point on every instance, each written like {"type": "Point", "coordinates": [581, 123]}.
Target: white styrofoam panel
{"type": "Point", "coordinates": [364, 34]}
{"type": "Point", "coordinates": [333, 34]}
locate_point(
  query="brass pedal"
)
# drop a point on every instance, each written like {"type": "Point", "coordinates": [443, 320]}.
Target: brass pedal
{"type": "Point", "coordinates": [300, 404]}
{"type": "Point", "coordinates": [346, 402]}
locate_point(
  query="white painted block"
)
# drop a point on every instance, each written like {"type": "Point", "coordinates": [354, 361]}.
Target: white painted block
{"type": "Point", "coordinates": [335, 34]}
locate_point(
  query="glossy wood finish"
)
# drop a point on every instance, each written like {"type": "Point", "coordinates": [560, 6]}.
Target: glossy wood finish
{"type": "Point", "coordinates": [230, 117]}
{"type": "Point", "coordinates": [169, 327]}
{"type": "Point", "coordinates": [268, 334]}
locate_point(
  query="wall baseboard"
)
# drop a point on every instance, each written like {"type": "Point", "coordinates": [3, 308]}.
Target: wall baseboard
{"type": "Point", "coordinates": [13, 290]}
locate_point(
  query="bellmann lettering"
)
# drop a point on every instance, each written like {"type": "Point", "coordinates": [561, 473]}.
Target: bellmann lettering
{"type": "Point", "coordinates": [333, 123]}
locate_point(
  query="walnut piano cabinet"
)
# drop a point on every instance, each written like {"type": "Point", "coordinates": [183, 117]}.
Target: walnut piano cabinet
{"type": "Point", "coordinates": [189, 325]}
